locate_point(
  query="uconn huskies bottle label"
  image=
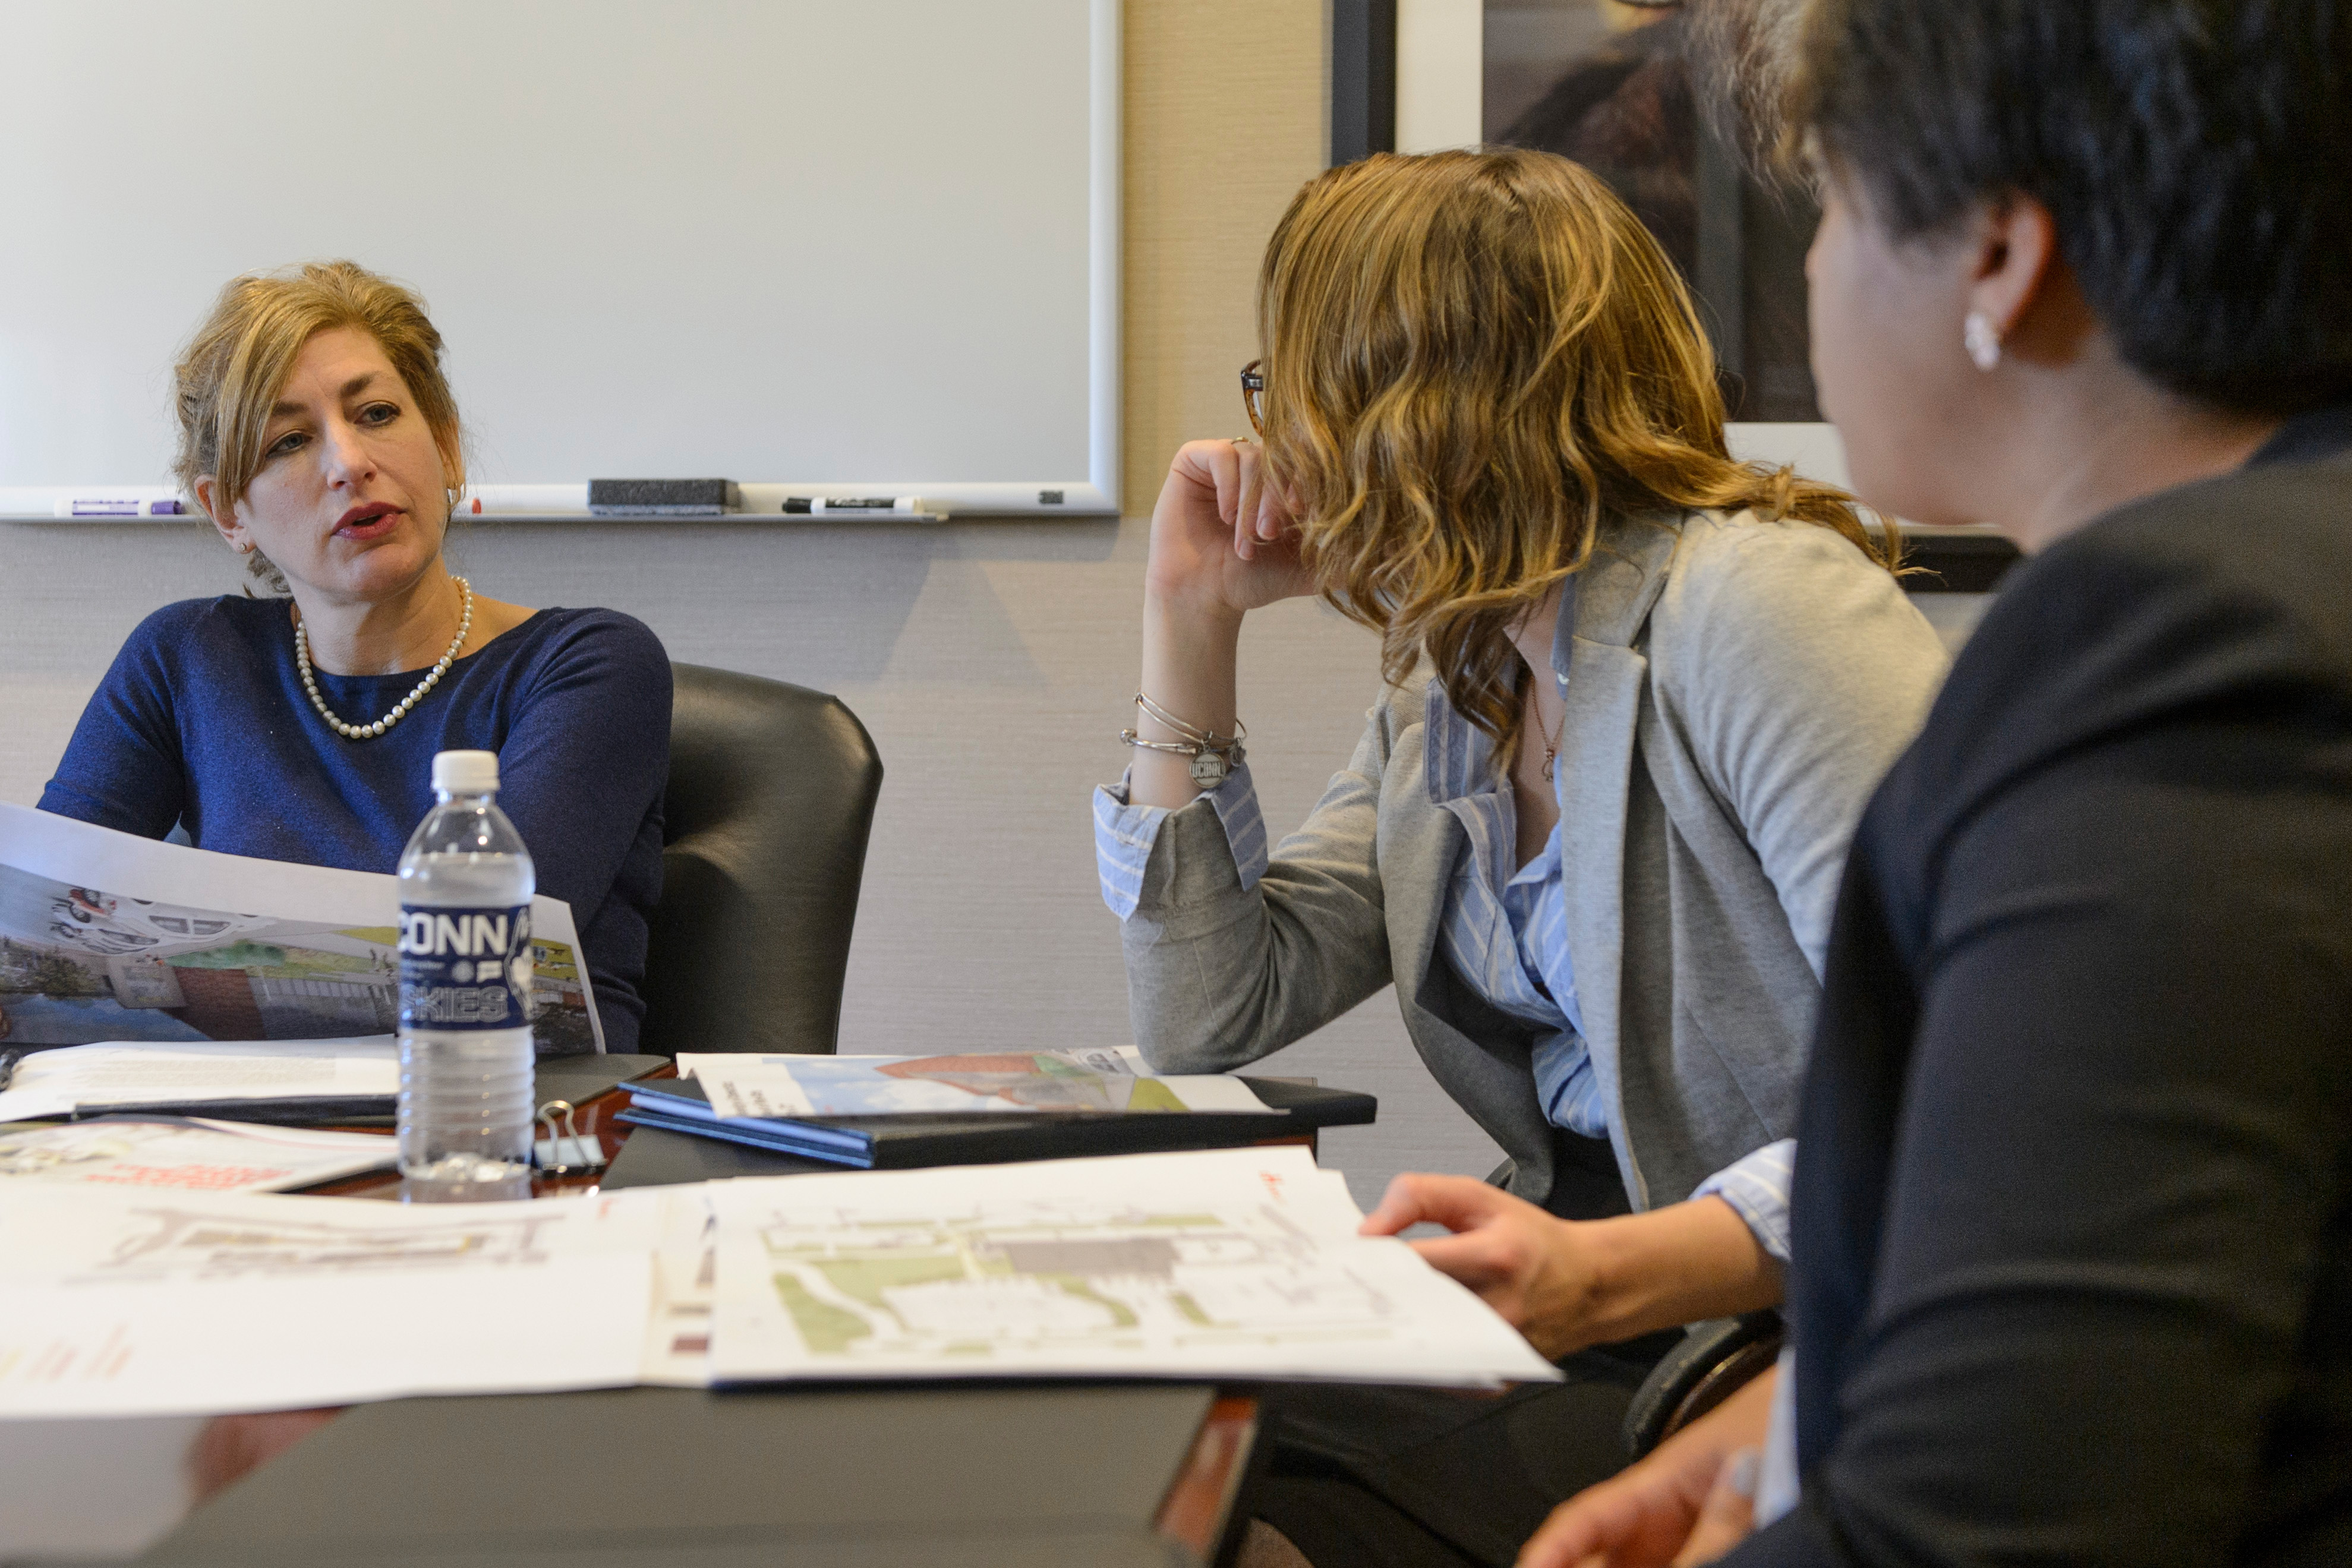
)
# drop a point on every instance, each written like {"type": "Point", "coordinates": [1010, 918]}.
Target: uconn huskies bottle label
{"type": "Point", "coordinates": [465, 969]}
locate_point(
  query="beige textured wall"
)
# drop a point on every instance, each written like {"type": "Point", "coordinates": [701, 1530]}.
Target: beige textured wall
{"type": "Point", "coordinates": [1225, 117]}
{"type": "Point", "coordinates": [993, 661]}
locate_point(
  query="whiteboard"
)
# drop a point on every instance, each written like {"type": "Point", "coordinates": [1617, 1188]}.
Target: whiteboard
{"type": "Point", "coordinates": [819, 247]}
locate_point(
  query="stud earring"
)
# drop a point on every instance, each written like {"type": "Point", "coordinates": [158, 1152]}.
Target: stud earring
{"type": "Point", "coordinates": [1981, 340]}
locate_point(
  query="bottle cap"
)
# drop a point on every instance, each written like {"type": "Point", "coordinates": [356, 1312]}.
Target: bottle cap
{"type": "Point", "coordinates": [465, 772]}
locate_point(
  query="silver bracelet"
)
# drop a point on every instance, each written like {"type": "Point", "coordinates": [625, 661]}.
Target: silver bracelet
{"type": "Point", "coordinates": [1214, 757]}
{"type": "Point", "coordinates": [1210, 768]}
{"type": "Point", "coordinates": [1190, 731]}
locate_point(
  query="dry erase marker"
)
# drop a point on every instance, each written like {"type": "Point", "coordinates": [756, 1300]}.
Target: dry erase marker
{"type": "Point", "coordinates": [119, 507]}
{"type": "Point", "coordinates": [818, 505]}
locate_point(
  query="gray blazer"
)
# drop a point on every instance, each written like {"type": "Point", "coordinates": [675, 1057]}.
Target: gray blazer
{"type": "Point", "coordinates": [1736, 689]}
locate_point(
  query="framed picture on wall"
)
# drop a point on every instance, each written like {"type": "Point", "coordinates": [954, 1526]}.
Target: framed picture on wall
{"type": "Point", "coordinates": [1643, 95]}
{"type": "Point", "coordinates": [1670, 102]}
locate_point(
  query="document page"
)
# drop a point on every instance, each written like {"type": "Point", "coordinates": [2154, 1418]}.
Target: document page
{"type": "Point", "coordinates": [1229, 1263]}
{"type": "Point", "coordinates": [1012, 1081]}
{"type": "Point", "coordinates": [130, 1072]}
{"type": "Point", "coordinates": [189, 1153]}
{"type": "Point", "coordinates": [139, 1303]}
{"type": "Point", "coordinates": [678, 1333]}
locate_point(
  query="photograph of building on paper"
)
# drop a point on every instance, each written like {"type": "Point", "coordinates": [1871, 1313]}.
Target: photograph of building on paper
{"type": "Point", "coordinates": [79, 964]}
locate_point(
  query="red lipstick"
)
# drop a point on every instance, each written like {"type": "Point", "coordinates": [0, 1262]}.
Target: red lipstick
{"type": "Point", "coordinates": [373, 520]}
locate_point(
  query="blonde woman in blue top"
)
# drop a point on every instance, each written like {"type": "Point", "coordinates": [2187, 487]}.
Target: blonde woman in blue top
{"type": "Point", "coordinates": [320, 435]}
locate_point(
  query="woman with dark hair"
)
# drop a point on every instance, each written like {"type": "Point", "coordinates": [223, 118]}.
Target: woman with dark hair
{"type": "Point", "coordinates": [2072, 1277]}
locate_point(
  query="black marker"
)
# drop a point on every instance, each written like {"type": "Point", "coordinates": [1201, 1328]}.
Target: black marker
{"type": "Point", "coordinates": [817, 506]}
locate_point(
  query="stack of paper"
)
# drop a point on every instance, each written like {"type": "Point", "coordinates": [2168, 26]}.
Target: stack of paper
{"type": "Point", "coordinates": [130, 1072]}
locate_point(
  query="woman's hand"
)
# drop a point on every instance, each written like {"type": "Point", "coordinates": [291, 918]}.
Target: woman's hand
{"type": "Point", "coordinates": [1728, 1515]}
{"type": "Point", "coordinates": [1526, 1265]}
{"type": "Point", "coordinates": [1687, 1503]}
{"type": "Point", "coordinates": [1222, 544]}
{"type": "Point", "coordinates": [1223, 540]}
{"type": "Point", "coordinates": [1566, 1284]}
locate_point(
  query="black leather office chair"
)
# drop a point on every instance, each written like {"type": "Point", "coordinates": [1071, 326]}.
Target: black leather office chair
{"type": "Point", "coordinates": [1715, 1361]}
{"type": "Point", "coordinates": [771, 799]}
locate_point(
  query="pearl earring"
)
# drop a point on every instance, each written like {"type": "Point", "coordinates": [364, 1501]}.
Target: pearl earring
{"type": "Point", "coordinates": [1981, 340]}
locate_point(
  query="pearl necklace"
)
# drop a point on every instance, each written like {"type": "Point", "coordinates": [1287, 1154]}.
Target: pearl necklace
{"type": "Point", "coordinates": [399, 709]}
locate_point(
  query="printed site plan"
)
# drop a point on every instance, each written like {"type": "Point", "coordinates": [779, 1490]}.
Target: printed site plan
{"type": "Point", "coordinates": [1243, 1262]}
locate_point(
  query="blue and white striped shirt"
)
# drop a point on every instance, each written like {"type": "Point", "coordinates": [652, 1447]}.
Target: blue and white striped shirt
{"type": "Point", "coordinates": [1504, 931]}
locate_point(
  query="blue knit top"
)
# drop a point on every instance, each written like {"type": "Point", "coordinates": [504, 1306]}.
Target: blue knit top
{"type": "Point", "coordinates": [202, 722]}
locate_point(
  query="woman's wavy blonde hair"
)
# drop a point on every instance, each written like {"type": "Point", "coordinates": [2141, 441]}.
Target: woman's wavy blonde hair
{"type": "Point", "coordinates": [230, 374]}
{"type": "Point", "coordinates": [1471, 359]}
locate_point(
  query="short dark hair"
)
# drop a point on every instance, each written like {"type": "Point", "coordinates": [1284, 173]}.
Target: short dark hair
{"type": "Point", "coordinates": [2196, 155]}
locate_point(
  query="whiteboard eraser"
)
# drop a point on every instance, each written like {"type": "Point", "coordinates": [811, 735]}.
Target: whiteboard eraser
{"type": "Point", "coordinates": [664, 497]}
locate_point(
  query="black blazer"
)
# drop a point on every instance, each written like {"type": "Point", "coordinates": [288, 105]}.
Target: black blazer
{"type": "Point", "coordinates": [2072, 1277]}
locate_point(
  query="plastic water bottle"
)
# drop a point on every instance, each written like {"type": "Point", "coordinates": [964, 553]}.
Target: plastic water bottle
{"type": "Point", "coordinates": [466, 1053]}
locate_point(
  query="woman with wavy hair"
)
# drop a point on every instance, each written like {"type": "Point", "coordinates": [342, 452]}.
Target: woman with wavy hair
{"type": "Point", "coordinates": [1635, 695]}
{"type": "Point", "coordinates": [319, 434]}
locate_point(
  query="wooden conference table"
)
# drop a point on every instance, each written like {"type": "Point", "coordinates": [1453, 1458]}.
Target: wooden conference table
{"type": "Point", "coordinates": [949, 1472]}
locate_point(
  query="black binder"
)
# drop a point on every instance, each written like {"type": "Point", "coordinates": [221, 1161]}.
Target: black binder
{"type": "Point", "coordinates": [902, 1142]}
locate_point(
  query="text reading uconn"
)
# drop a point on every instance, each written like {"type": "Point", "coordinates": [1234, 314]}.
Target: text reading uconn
{"type": "Point", "coordinates": [430, 936]}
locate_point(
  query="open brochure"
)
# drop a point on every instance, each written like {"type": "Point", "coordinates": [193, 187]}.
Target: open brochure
{"type": "Point", "coordinates": [966, 1084]}
{"type": "Point", "coordinates": [1221, 1264]}
{"type": "Point", "coordinates": [187, 1154]}
{"type": "Point", "coordinates": [107, 937]}
{"type": "Point", "coordinates": [1233, 1263]}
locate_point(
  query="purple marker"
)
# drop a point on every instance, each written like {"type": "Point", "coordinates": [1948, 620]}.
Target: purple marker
{"type": "Point", "coordinates": [119, 506]}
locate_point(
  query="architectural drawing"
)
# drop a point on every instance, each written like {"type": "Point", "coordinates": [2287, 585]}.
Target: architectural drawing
{"type": "Point", "coordinates": [1236, 1262]}
{"type": "Point", "coordinates": [177, 1239]}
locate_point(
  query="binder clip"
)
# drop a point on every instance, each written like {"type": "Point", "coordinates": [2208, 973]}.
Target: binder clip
{"type": "Point", "coordinates": [565, 1152]}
